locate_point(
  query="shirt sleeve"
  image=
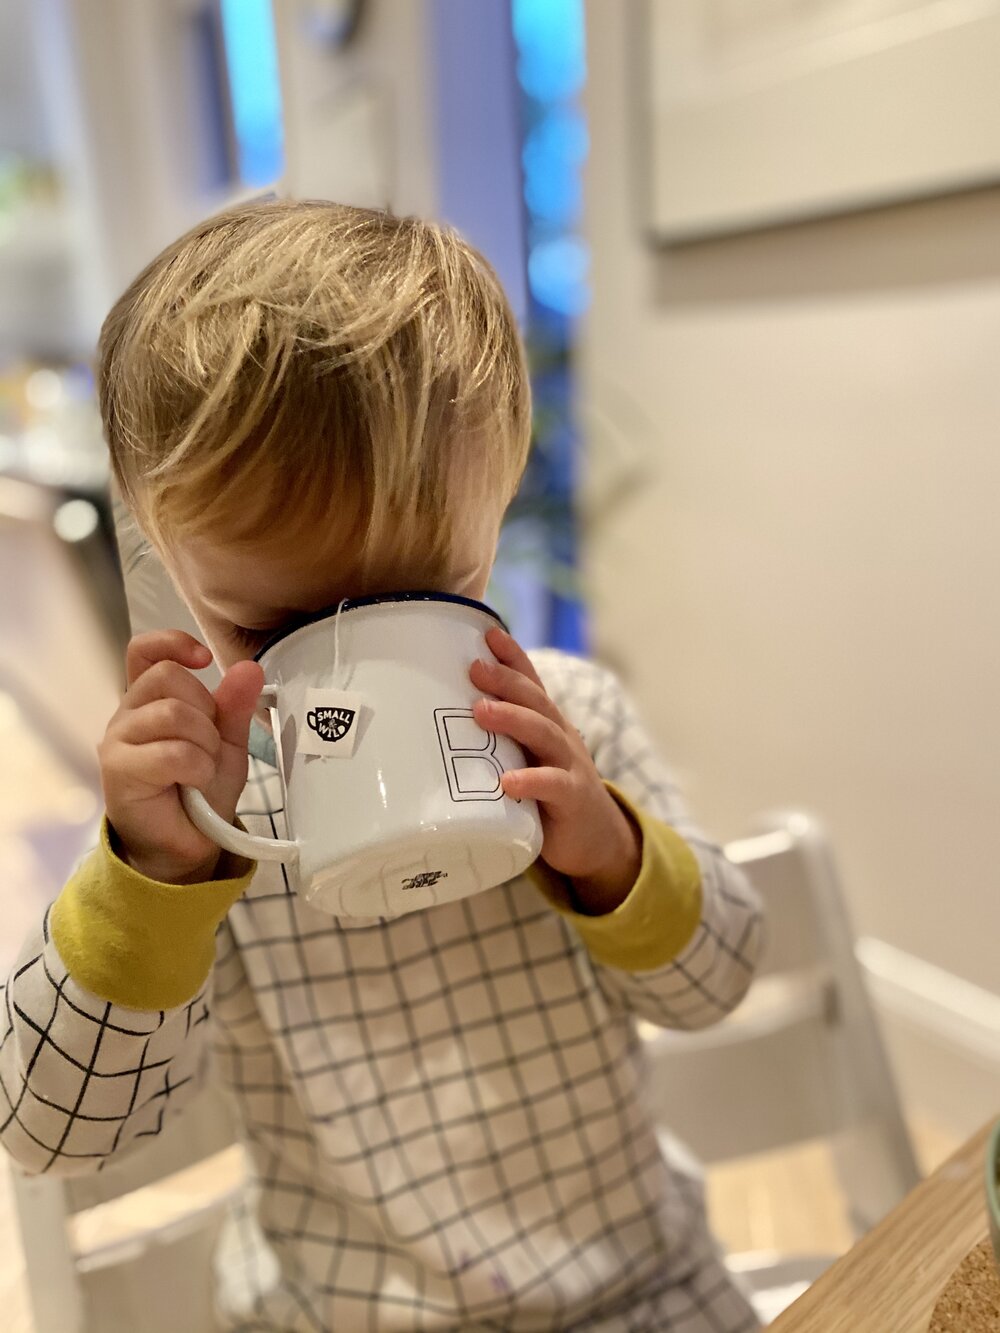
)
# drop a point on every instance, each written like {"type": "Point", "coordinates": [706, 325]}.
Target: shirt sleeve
{"type": "Point", "coordinates": [105, 1015]}
{"type": "Point", "coordinates": [680, 951]}
{"type": "Point", "coordinates": [661, 912]}
{"type": "Point", "coordinates": [135, 941]}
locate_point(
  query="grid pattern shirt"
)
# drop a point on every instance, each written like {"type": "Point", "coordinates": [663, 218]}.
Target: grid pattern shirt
{"type": "Point", "coordinates": [442, 1111]}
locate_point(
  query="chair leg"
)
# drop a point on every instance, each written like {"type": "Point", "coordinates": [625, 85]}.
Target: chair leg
{"type": "Point", "coordinates": [53, 1282]}
{"type": "Point", "coordinates": [876, 1168]}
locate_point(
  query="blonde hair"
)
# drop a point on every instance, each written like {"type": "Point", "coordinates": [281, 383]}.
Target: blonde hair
{"type": "Point", "coordinates": [295, 365]}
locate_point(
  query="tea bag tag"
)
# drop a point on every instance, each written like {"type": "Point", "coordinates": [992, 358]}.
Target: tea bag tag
{"type": "Point", "coordinates": [330, 725]}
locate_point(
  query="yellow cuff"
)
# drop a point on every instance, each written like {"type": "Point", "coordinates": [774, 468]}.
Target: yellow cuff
{"type": "Point", "coordinates": [133, 940]}
{"type": "Point", "coordinates": [659, 916]}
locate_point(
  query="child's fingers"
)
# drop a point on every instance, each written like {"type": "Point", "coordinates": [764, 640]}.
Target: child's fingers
{"type": "Point", "coordinates": [506, 649]}
{"type": "Point", "coordinates": [549, 786]}
{"type": "Point", "coordinates": [513, 686]}
{"type": "Point", "coordinates": [170, 719]}
{"type": "Point", "coordinates": [235, 700]}
{"type": "Point", "coordinates": [546, 740]}
{"type": "Point", "coordinates": [174, 645]}
{"type": "Point", "coordinates": [162, 764]}
{"type": "Point", "coordinates": [167, 679]}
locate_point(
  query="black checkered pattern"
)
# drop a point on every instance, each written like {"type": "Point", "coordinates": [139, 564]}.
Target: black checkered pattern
{"type": "Point", "coordinates": [442, 1111]}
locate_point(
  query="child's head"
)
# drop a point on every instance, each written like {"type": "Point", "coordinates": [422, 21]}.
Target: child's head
{"type": "Point", "coordinates": [305, 401]}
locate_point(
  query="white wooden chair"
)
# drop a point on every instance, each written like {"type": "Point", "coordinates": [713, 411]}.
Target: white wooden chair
{"type": "Point", "coordinates": [801, 1059]}
{"type": "Point", "coordinates": [131, 1248]}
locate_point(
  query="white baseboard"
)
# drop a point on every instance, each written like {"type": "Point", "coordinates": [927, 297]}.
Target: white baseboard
{"type": "Point", "coordinates": [943, 1035]}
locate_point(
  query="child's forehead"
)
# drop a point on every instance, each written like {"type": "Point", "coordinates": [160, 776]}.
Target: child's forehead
{"type": "Point", "coordinates": [274, 578]}
{"type": "Point", "coordinates": [277, 578]}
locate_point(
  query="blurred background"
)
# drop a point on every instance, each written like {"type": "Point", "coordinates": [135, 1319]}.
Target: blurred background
{"type": "Point", "coordinates": [753, 245]}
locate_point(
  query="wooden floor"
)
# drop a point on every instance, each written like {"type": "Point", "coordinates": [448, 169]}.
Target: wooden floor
{"type": "Point", "coordinates": [789, 1201]}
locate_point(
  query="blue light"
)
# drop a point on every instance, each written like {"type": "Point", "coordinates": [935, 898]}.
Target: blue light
{"type": "Point", "coordinates": [554, 152]}
{"type": "Point", "coordinates": [550, 36]}
{"type": "Point", "coordinates": [557, 275]}
{"type": "Point", "coordinates": [255, 89]}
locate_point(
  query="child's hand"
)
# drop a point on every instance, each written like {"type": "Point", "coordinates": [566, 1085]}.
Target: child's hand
{"type": "Point", "coordinates": [169, 729]}
{"type": "Point", "coordinates": [587, 834]}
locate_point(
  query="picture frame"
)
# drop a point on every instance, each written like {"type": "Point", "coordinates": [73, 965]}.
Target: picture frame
{"type": "Point", "coordinates": [759, 113]}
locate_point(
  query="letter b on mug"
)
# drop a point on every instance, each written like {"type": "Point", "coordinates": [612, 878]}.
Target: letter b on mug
{"type": "Point", "coordinates": [469, 755]}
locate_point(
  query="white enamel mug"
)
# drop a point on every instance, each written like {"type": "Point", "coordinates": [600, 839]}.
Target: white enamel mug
{"type": "Point", "coordinates": [392, 790]}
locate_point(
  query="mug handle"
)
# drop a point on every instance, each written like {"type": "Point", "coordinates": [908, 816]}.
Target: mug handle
{"type": "Point", "coordinates": [227, 836]}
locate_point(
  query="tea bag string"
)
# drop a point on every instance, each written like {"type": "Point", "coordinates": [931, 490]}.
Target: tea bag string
{"type": "Point", "coordinates": [336, 642]}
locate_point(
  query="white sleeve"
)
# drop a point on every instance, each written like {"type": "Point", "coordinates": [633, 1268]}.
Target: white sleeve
{"type": "Point", "coordinates": [81, 1078]}
{"type": "Point", "coordinates": [713, 971]}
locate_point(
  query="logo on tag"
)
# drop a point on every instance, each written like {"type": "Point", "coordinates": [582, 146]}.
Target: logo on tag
{"type": "Point", "coordinates": [332, 724]}
{"type": "Point", "coordinates": [332, 719]}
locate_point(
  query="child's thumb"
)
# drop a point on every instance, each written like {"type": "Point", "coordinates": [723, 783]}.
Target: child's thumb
{"type": "Point", "coordinates": [235, 700]}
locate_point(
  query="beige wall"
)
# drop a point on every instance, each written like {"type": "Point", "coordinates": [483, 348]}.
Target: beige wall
{"type": "Point", "coordinates": [801, 586]}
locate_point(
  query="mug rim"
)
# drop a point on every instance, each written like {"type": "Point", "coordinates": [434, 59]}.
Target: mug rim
{"type": "Point", "coordinates": [376, 599]}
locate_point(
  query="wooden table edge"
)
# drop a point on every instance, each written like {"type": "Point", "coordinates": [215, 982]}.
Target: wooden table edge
{"type": "Point", "coordinates": [890, 1280]}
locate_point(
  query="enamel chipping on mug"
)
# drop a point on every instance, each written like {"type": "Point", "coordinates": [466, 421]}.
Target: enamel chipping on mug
{"type": "Point", "coordinates": [392, 791]}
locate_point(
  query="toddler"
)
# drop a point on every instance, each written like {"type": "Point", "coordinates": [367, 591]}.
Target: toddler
{"type": "Point", "coordinates": [441, 1111]}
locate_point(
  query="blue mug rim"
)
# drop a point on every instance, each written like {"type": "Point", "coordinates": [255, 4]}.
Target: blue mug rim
{"type": "Point", "coordinates": [377, 599]}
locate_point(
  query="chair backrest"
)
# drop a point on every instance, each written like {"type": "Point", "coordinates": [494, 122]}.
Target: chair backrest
{"type": "Point", "coordinates": [802, 1058]}
{"type": "Point", "coordinates": [132, 1246]}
